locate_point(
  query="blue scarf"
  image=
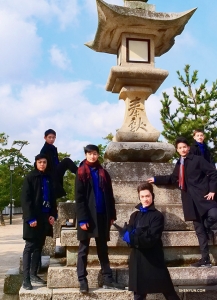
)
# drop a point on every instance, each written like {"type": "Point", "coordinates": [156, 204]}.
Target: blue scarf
{"type": "Point", "coordinates": [202, 147]}
{"type": "Point", "coordinates": [143, 209]}
{"type": "Point", "coordinates": [46, 194]}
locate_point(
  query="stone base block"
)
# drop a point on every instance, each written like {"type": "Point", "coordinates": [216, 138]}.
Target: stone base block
{"type": "Point", "coordinates": [118, 256]}
{"type": "Point", "coordinates": [49, 246]}
{"type": "Point", "coordinates": [181, 276]}
{"type": "Point", "coordinates": [10, 297]}
{"type": "Point", "coordinates": [139, 152]}
{"type": "Point", "coordinates": [127, 176]}
{"type": "Point", "coordinates": [169, 238]}
{"type": "Point", "coordinates": [13, 281]}
{"type": "Point", "coordinates": [38, 293]}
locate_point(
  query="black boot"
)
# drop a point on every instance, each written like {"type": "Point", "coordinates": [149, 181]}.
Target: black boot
{"type": "Point", "coordinates": [84, 286]}
{"type": "Point", "coordinates": [37, 279]}
{"type": "Point", "coordinates": [27, 284]}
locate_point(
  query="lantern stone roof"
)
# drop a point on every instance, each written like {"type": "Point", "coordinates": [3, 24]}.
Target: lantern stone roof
{"type": "Point", "coordinates": [114, 20]}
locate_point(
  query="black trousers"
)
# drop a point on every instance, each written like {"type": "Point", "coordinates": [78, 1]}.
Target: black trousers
{"type": "Point", "coordinates": [201, 232]}
{"type": "Point", "coordinates": [102, 252]}
{"type": "Point", "coordinates": [65, 165]}
{"type": "Point", "coordinates": [32, 255]}
{"type": "Point", "coordinates": [169, 296]}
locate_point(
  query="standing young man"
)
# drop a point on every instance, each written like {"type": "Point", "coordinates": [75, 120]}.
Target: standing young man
{"type": "Point", "coordinates": [56, 167]}
{"type": "Point", "coordinates": [197, 180]}
{"type": "Point", "coordinates": [95, 208]}
{"type": "Point", "coordinates": [199, 147]}
{"type": "Point", "coordinates": [39, 212]}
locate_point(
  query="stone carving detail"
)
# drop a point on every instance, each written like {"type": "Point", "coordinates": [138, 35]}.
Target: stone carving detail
{"type": "Point", "coordinates": [135, 109]}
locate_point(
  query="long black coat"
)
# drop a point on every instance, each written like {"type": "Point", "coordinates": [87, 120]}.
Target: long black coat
{"type": "Point", "coordinates": [31, 201]}
{"type": "Point", "coordinates": [52, 156]}
{"type": "Point", "coordinates": [200, 179]}
{"type": "Point", "coordinates": [147, 270]}
{"type": "Point", "coordinates": [195, 149]}
{"type": "Point", "coordinates": [86, 207]}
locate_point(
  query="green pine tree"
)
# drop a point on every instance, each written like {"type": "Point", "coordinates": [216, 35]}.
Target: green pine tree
{"type": "Point", "coordinates": [197, 109]}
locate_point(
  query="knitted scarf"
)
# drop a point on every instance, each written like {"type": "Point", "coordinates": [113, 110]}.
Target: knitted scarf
{"type": "Point", "coordinates": [85, 175]}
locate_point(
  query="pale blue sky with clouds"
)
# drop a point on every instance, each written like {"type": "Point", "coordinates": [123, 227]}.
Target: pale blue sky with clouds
{"type": "Point", "coordinates": [50, 79]}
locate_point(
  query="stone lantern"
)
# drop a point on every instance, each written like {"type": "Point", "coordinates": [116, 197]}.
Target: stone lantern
{"type": "Point", "coordinates": [136, 34]}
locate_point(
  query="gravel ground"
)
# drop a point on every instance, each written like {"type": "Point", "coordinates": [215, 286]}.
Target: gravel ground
{"type": "Point", "coordinates": [11, 246]}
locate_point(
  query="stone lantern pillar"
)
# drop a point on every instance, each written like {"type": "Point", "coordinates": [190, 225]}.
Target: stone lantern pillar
{"type": "Point", "coordinates": [136, 34]}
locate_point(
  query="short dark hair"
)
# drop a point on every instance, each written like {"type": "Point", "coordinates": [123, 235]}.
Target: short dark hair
{"type": "Point", "coordinates": [197, 130]}
{"type": "Point", "coordinates": [90, 148]}
{"type": "Point", "coordinates": [40, 156]}
{"type": "Point", "coordinates": [145, 186]}
{"type": "Point", "coordinates": [49, 131]}
{"type": "Point", "coordinates": [181, 139]}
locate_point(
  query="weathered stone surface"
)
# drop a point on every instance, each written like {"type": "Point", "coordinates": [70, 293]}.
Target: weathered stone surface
{"type": "Point", "coordinates": [38, 293]}
{"type": "Point", "coordinates": [118, 256]}
{"type": "Point", "coordinates": [173, 214]}
{"type": "Point", "coordinates": [13, 281]}
{"type": "Point", "coordinates": [66, 210]}
{"type": "Point", "coordinates": [10, 297]}
{"type": "Point", "coordinates": [169, 238]}
{"type": "Point", "coordinates": [66, 277]}
{"type": "Point", "coordinates": [114, 20]}
{"type": "Point", "coordinates": [139, 4]}
{"type": "Point", "coordinates": [138, 152]}
{"type": "Point", "coordinates": [128, 175]}
{"type": "Point", "coordinates": [187, 276]}
{"type": "Point", "coordinates": [49, 246]}
{"type": "Point", "coordinates": [210, 295]}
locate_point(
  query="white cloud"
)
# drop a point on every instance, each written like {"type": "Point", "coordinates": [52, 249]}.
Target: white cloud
{"type": "Point", "coordinates": [61, 106]}
{"type": "Point", "coordinates": [19, 46]}
{"type": "Point", "coordinates": [59, 58]}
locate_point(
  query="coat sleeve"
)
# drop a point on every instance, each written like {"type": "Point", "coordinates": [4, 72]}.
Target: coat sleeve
{"type": "Point", "coordinates": [168, 179]}
{"type": "Point", "coordinates": [81, 200]}
{"type": "Point", "coordinates": [211, 172]}
{"type": "Point", "coordinates": [150, 236]}
{"type": "Point", "coordinates": [111, 197]}
{"type": "Point", "coordinates": [27, 200]}
{"type": "Point", "coordinates": [53, 212]}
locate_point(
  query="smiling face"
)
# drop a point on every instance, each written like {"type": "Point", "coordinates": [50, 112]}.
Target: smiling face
{"type": "Point", "coordinates": [146, 198]}
{"type": "Point", "coordinates": [199, 137]}
{"type": "Point", "coordinates": [183, 149]}
{"type": "Point", "coordinates": [92, 156]}
{"type": "Point", "coordinates": [41, 164]}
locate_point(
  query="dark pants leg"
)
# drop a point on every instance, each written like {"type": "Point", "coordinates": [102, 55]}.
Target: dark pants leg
{"type": "Point", "coordinates": [139, 297]}
{"type": "Point", "coordinates": [202, 237]}
{"type": "Point", "coordinates": [211, 217]}
{"type": "Point", "coordinates": [102, 247]}
{"type": "Point", "coordinates": [82, 259]}
{"type": "Point", "coordinates": [32, 255]}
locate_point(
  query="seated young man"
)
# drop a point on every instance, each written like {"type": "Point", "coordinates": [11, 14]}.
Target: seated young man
{"type": "Point", "coordinates": [197, 180]}
{"type": "Point", "coordinates": [199, 147]}
{"type": "Point", "coordinates": [39, 212]}
{"type": "Point", "coordinates": [95, 209]}
{"type": "Point", "coordinates": [56, 167]}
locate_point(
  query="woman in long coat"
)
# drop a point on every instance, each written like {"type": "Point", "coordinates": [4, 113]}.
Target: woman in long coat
{"type": "Point", "coordinates": [147, 270]}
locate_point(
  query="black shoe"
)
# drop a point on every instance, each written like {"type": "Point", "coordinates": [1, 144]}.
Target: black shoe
{"type": "Point", "coordinates": [27, 284]}
{"type": "Point", "coordinates": [37, 279]}
{"type": "Point", "coordinates": [202, 263]}
{"type": "Point", "coordinates": [113, 285]}
{"type": "Point", "coordinates": [84, 286]}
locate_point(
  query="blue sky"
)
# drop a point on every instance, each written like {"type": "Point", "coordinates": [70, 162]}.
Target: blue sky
{"type": "Point", "coordinates": [49, 79]}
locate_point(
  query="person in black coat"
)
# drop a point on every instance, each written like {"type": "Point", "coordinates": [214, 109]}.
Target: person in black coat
{"type": "Point", "coordinates": [199, 147]}
{"type": "Point", "coordinates": [197, 180]}
{"type": "Point", "coordinates": [39, 212]}
{"type": "Point", "coordinates": [95, 211]}
{"type": "Point", "coordinates": [56, 168]}
{"type": "Point", "coordinates": [147, 269]}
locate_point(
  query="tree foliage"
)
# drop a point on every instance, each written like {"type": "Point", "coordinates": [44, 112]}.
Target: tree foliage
{"type": "Point", "coordinates": [197, 108]}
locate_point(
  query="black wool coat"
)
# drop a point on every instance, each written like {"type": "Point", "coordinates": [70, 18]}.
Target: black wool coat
{"type": "Point", "coordinates": [195, 149]}
{"type": "Point", "coordinates": [200, 179]}
{"type": "Point", "coordinates": [147, 269]}
{"type": "Point", "coordinates": [52, 156]}
{"type": "Point", "coordinates": [86, 207]}
{"type": "Point", "coordinates": [31, 201]}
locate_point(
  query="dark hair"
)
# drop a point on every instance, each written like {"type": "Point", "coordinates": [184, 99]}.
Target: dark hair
{"type": "Point", "coordinates": [49, 131]}
{"type": "Point", "coordinates": [38, 157]}
{"type": "Point", "coordinates": [181, 139]}
{"type": "Point", "coordinates": [145, 186]}
{"type": "Point", "coordinates": [197, 130]}
{"type": "Point", "coordinates": [90, 148]}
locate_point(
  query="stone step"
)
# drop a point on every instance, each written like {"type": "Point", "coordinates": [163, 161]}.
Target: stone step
{"type": "Point", "coordinates": [66, 277]}
{"type": "Point", "coordinates": [128, 175]}
{"type": "Point", "coordinates": [169, 238]}
{"type": "Point", "coordinates": [173, 214]}
{"type": "Point", "coordinates": [38, 293]}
